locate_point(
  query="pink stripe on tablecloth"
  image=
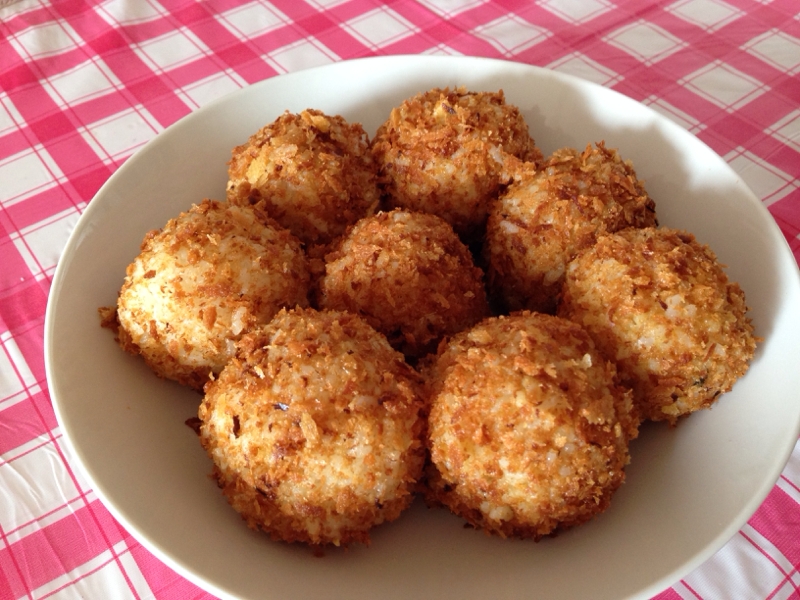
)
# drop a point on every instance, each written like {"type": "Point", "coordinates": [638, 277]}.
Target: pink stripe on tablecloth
{"type": "Point", "coordinates": [779, 520]}
{"type": "Point", "coordinates": [19, 424]}
{"type": "Point", "coordinates": [62, 546]}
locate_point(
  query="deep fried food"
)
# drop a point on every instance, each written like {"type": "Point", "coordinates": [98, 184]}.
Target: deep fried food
{"type": "Point", "coordinates": [315, 428]}
{"type": "Point", "coordinates": [203, 280]}
{"type": "Point", "coordinates": [658, 303]}
{"type": "Point", "coordinates": [528, 429]}
{"type": "Point", "coordinates": [546, 217]}
{"type": "Point", "coordinates": [409, 276]}
{"type": "Point", "coordinates": [313, 173]}
{"type": "Point", "coordinates": [444, 152]}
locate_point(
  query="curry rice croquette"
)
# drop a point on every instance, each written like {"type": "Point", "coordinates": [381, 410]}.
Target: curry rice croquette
{"type": "Point", "coordinates": [313, 173]}
{"type": "Point", "coordinates": [445, 152]}
{"type": "Point", "coordinates": [409, 276]}
{"type": "Point", "coordinates": [658, 303]}
{"type": "Point", "coordinates": [202, 281]}
{"type": "Point", "coordinates": [547, 216]}
{"type": "Point", "coordinates": [315, 428]}
{"type": "Point", "coordinates": [528, 429]}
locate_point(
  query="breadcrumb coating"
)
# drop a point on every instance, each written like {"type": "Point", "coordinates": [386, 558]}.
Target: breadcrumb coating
{"type": "Point", "coordinates": [201, 282]}
{"type": "Point", "coordinates": [318, 426]}
{"type": "Point", "coordinates": [409, 276]}
{"type": "Point", "coordinates": [547, 216]}
{"type": "Point", "coordinates": [445, 152]}
{"type": "Point", "coordinates": [315, 428]}
{"type": "Point", "coordinates": [659, 303]}
{"type": "Point", "coordinates": [313, 173]}
{"type": "Point", "coordinates": [528, 429]}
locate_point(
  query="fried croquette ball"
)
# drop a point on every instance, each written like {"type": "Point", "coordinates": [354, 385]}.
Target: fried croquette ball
{"type": "Point", "coordinates": [528, 428]}
{"type": "Point", "coordinates": [311, 172]}
{"type": "Point", "coordinates": [202, 281]}
{"type": "Point", "coordinates": [315, 428]}
{"type": "Point", "coordinates": [445, 151]}
{"type": "Point", "coordinates": [546, 217]}
{"type": "Point", "coordinates": [410, 277]}
{"type": "Point", "coordinates": [659, 304]}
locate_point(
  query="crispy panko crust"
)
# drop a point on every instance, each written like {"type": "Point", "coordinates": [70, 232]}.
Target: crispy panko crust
{"type": "Point", "coordinates": [201, 282]}
{"type": "Point", "coordinates": [658, 303]}
{"type": "Point", "coordinates": [547, 216]}
{"type": "Point", "coordinates": [528, 430]}
{"type": "Point", "coordinates": [313, 173]}
{"type": "Point", "coordinates": [410, 277]}
{"type": "Point", "coordinates": [445, 152]}
{"type": "Point", "coordinates": [315, 428]}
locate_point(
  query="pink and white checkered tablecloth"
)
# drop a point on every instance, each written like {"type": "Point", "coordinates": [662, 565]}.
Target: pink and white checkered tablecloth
{"type": "Point", "coordinates": [85, 83]}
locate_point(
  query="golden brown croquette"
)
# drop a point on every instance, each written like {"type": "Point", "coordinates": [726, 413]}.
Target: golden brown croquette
{"type": "Point", "coordinates": [658, 303]}
{"type": "Point", "coordinates": [528, 428]}
{"type": "Point", "coordinates": [437, 311]}
{"type": "Point", "coordinates": [547, 216]}
{"type": "Point", "coordinates": [409, 276]}
{"type": "Point", "coordinates": [444, 152]}
{"type": "Point", "coordinates": [313, 173]}
{"type": "Point", "coordinates": [315, 428]}
{"type": "Point", "coordinates": [201, 282]}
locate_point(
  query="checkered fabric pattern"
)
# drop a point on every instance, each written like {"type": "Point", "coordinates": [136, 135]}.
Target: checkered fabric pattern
{"type": "Point", "coordinates": [85, 83]}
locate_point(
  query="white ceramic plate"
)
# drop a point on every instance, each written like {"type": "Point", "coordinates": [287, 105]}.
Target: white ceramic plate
{"type": "Point", "coordinates": [688, 490]}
